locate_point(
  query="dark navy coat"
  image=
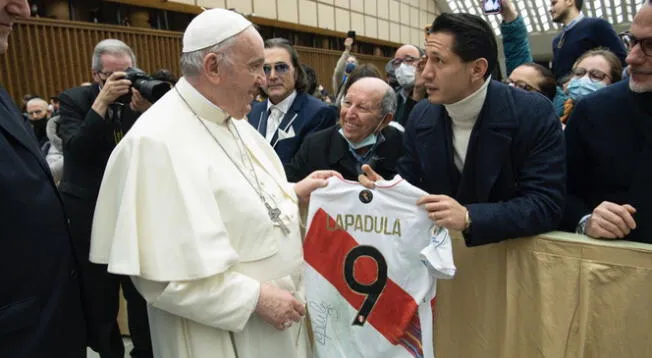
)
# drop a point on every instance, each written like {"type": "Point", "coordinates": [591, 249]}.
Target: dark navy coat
{"type": "Point", "coordinates": [513, 180]}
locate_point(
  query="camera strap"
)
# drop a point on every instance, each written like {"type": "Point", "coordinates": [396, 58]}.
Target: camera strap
{"type": "Point", "coordinates": [114, 114]}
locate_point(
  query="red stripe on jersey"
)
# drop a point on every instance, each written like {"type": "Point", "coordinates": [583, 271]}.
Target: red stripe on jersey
{"type": "Point", "coordinates": [326, 249]}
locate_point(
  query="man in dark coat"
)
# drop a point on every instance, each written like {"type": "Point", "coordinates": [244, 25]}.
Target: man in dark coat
{"type": "Point", "coordinates": [93, 119]}
{"type": "Point", "coordinates": [362, 137]}
{"type": "Point", "coordinates": [609, 140]}
{"type": "Point", "coordinates": [491, 156]}
{"type": "Point", "coordinates": [40, 304]}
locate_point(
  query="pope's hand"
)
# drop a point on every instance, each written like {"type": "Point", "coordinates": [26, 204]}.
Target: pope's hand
{"type": "Point", "coordinates": [369, 177]}
{"type": "Point", "coordinates": [278, 307]}
{"type": "Point", "coordinates": [315, 180]}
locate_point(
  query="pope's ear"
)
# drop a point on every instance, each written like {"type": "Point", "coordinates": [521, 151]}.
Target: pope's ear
{"type": "Point", "coordinates": [213, 66]}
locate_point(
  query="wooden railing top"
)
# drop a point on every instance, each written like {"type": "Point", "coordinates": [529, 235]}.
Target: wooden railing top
{"type": "Point", "coordinates": [82, 25]}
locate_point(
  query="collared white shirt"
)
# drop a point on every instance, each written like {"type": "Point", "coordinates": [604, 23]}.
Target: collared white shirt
{"type": "Point", "coordinates": [274, 120]}
{"type": "Point", "coordinates": [571, 24]}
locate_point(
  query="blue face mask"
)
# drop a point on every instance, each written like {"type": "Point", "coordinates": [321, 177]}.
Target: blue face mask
{"type": "Point", "coordinates": [349, 67]}
{"type": "Point", "coordinates": [558, 101]}
{"type": "Point", "coordinates": [580, 87]}
{"type": "Point", "coordinates": [368, 140]}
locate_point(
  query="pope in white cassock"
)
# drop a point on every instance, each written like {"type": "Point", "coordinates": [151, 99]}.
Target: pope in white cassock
{"type": "Point", "coordinates": [196, 208]}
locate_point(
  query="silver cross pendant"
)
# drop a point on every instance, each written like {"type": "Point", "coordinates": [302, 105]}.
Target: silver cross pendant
{"type": "Point", "coordinates": [275, 216]}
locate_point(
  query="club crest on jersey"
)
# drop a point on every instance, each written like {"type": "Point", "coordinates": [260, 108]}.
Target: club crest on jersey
{"type": "Point", "coordinates": [366, 196]}
{"type": "Point", "coordinates": [438, 235]}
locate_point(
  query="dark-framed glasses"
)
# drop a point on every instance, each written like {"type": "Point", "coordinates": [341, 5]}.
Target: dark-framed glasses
{"type": "Point", "coordinates": [105, 74]}
{"type": "Point", "coordinates": [521, 85]}
{"type": "Point", "coordinates": [279, 67]}
{"type": "Point", "coordinates": [594, 75]}
{"type": "Point", "coordinates": [631, 41]}
{"type": "Point", "coordinates": [407, 59]}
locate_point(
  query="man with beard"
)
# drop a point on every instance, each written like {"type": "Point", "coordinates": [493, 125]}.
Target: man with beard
{"type": "Point", "coordinates": [609, 141]}
{"type": "Point", "coordinates": [578, 35]}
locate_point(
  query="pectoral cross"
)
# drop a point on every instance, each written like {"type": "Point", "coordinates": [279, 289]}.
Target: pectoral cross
{"type": "Point", "coordinates": [275, 216]}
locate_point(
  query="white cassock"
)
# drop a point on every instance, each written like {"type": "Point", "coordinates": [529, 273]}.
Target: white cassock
{"type": "Point", "coordinates": [176, 215]}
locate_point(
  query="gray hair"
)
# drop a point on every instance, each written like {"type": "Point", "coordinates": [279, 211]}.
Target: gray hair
{"type": "Point", "coordinates": [388, 103]}
{"type": "Point", "coordinates": [191, 63]}
{"type": "Point", "coordinates": [111, 47]}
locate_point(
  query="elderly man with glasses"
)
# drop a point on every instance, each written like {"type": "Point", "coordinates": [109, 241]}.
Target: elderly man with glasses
{"type": "Point", "coordinates": [92, 122]}
{"type": "Point", "coordinates": [405, 65]}
{"type": "Point", "coordinates": [609, 141]}
{"type": "Point", "coordinates": [289, 114]}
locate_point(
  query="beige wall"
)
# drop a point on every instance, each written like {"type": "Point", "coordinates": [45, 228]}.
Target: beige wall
{"type": "Point", "coordinates": [400, 21]}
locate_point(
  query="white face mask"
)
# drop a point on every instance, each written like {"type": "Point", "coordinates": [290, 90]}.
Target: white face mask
{"type": "Point", "coordinates": [405, 75]}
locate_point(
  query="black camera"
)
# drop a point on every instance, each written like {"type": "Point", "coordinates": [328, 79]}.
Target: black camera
{"type": "Point", "coordinates": [151, 89]}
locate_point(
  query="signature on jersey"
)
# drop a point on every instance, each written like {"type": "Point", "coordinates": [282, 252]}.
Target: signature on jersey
{"type": "Point", "coordinates": [320, 312]}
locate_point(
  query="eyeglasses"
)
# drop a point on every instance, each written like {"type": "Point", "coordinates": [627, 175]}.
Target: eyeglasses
{"type": "Point", "coordinates": [407, 59]}
{"type": "Point", "coordinates": [521, 85]}
{"type": "Point", "coordinates": [105, 74]}
{"type": "Point", "coordinates": [279, 68]}
{"type": "Point", "coordinates": [594, 75]}
{"type": "Point", "coordinates": [631, 41]}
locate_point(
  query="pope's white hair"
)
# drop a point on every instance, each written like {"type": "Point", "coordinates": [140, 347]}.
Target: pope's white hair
{"type": "Point", "coordinates": [191, 63]}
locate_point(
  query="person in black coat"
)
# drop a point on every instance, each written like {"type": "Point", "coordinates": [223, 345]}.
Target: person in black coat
{"type": "Point", "coordinates": [93, 119]}
{"type": "Point", "coordinates": [367, 107]}
{"type": "Point", "coordinates": [609, 141]}
{"type": "Point", "coordinates": [491, 157]}
{"type": "Point", "coordinates": [40, 301]}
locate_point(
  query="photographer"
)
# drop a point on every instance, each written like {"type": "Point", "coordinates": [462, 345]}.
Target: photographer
{"type": "Point", "coordinates": [93, 120]}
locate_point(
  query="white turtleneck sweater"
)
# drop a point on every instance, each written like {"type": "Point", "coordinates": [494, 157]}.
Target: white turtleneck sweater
{"type": "Point", "coordinates": [464, 114]}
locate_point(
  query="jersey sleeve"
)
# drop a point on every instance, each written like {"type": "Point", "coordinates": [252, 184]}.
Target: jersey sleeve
{"type": "Point", "coordinates": [438, 255]}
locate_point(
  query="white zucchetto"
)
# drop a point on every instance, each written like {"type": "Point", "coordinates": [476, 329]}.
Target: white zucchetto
{"type": "Point", "coordinates": [212, 27]}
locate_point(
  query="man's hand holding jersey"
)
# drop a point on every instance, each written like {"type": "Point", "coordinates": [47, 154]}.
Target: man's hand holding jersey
{"type": "Point", "coordinates": [442, 209]}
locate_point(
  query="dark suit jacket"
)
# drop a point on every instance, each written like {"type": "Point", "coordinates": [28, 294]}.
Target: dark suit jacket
{"type": "Point", "coordinates": [327, 149]}
{"type": "Point", "coordinates": [403, 108]}
{"type": "Point", "coordinates": [513, 180]}
{"type": "Point", "coordinates": [306, 115]}
{"type": "Point", "coordinates": [88, 140]}
{"type": "Point", "coordinates": [40, 304]}
{"type": "Point", "coordinates": [609, 141]}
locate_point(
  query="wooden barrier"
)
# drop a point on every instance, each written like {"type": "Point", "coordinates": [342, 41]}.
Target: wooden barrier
{"type": "Point", "coordinates": [558, 295]}
{"type": "Point", "coordinates": [48, 56]}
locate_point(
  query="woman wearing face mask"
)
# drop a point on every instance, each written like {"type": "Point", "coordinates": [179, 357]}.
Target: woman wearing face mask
{"type": "Point", "coordinates": [594, 70]}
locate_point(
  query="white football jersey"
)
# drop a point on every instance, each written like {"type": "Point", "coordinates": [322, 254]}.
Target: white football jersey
{"type": "Point", "coordinates": [373, 259]}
